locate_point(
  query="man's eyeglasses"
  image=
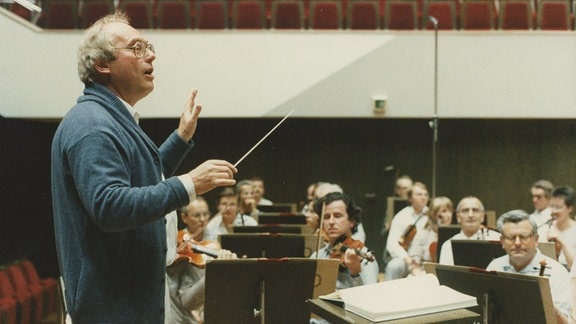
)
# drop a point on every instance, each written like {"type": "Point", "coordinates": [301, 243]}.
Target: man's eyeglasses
{"type": "Point", "coordinates": [140, 48]}
{"type": "Point", "coordinates": [199, 215]}
{"type": "Point", "coordinates": [524, 238]}
{"type": "Point", "coordinates": [470, 210]}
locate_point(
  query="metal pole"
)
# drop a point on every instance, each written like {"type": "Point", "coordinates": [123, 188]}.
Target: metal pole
{"type": "Point", "coordinates": [434, 123]}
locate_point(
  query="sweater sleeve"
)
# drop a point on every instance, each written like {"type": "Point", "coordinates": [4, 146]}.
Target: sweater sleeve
{"type": "Point", "coordinates": [104, 175]}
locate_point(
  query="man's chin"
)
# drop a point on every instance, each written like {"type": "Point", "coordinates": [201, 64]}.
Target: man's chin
{"type": "Point", "coordinates": [517, 254]}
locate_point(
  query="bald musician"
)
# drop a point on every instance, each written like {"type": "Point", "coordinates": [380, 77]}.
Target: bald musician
{"type": "Point", "coordinates": [185, 281]}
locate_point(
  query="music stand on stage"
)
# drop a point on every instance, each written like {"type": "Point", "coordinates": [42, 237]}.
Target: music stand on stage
{"type": "Point", "coordinates": [281, 218]}
{"type": "Point", "coordinates": [264, 245]}
{"type": "Point", "coordinates": [277, 208]}
{"type": "Point", "coordinates": [266, 290]}
{"type": "Point", "coordinates": [293, 229]}
{"type": "Point", "coordinates": [476, 253]}
{"type": "Point", "coordinates": [502, 297]}
{"type": "Point", "coordinates": [445, 233]}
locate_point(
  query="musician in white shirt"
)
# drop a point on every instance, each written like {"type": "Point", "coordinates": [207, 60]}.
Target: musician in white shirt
{"type": "Point", "coordinates": [413, 215]}
{"type": "Point", "coordinates": [541, 192]}
{"type": "Point", "coordinates": [470, 214]}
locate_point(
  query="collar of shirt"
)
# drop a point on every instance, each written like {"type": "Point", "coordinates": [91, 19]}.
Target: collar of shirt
{"type": "Point", "coordinates": [532, 268]}
{"type": "Point", "coordinates": [135, 114]}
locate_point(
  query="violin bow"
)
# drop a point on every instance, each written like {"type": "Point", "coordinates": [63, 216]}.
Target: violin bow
{"type": "Point", "coordinates": [320, 225]}
{"type": "Point", "coordinates": [191, 238]}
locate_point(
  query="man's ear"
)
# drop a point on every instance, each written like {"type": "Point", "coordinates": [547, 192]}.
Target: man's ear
{"type": "Point", "coordinates": [102, 66]}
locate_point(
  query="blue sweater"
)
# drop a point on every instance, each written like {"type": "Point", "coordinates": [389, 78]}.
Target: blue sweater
{"type": "Point", "coordinates": [109, 204]}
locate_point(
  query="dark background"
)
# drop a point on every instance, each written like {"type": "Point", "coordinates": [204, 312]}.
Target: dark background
{"type": "Point", "coordinates": [496, 160]}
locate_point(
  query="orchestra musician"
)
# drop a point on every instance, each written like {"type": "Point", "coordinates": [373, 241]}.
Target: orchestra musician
{"type": "Point", "coordinates": [541, 192]}
{"type": "Point", "coordinates": [340, 217]}
{"type": "Point", "coordinates": [185, 269]}
{"type": "Point", "coordinates": [228, 215]}
{"type": "Point", "coordinates": [247, 201]}
{"type": "Point", "coordinates": [470, 215]}
{"type": "Point", "coordinates": [424, 244]}
{"type": "Point", "coordinates": [520, 240]}
{"type": "Point", "coordinates": [405, 225]}
{"type": "Point", "coordinates": [562, 229]}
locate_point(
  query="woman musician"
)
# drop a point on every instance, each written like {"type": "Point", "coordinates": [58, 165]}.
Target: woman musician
{"type": "Point", "coordinates": [340, 217]}
{"type": "Point", "coordinates": [425, 241]}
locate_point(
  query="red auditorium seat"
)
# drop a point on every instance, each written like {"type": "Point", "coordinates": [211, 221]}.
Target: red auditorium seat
{"type": "Point", "coordinates": [173, 14]}
{"type": "Point", "coordinates": [287, 15]}
{"type": "Point", "coordinates": [8, 311]}
{"type": "Point", "coordinates": [554, 15]}
{"type": "Point", "coordinates": [48, 285]}
{"type": "Point", "coordinates": [268, 12]}
{"type": "Point", "coordinates": [139, 11]}
{"type": "Point", "coordinates": [516, 15]}
{"type": "Point", "coordinates": [94, 9]}
{"type": "Point", "coordinates": [443, 11]}
{"type": "Point", "coordinates": [59, 14]}
{"type": "Point", "coordinates": [19, 283]}
{"type": "Point", "coordinates": [401, 14]}
{"type": "Point", "coordinates": [21, 11]}
{"type": "Point", "coordinates": [478, 15]}
{"type": "Point", "coordinates": [363, 15]}
{"type": "Point", "coordinates": [211, 15]}
{"type": "Point", "coordinates": [24, 299]}
{"type": "Point", "coordinates": [249, 15]}
{"type": "Point", "coordinates": [325, 15]}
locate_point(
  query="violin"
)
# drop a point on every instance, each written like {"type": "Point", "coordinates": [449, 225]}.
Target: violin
{"type": "Point", "coordinates": [194, 252]}
{"type": "Point", "coordinates": [408, 237]}
{"type": "Point", "coordinates": [344, 243]}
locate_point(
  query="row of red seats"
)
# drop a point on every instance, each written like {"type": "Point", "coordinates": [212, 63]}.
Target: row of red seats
{"type": "Point", "coordinates": [316, 14]}
{"type": "Point", "coordinates": [24, 296]}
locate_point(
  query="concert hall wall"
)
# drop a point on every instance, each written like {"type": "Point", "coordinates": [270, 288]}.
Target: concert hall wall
{"type": "Point", "coordinates": [495, 159]}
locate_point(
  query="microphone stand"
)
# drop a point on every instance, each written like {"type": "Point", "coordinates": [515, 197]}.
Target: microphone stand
{"type": "Point", "coordinates": [434, 122]}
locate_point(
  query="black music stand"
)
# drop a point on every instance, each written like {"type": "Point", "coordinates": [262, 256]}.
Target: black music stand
{"type": "Point", "coordinates": [476, 253]}
{"type": "Point", "coordinates": [265, 290]}
{"type": "Point", "coordinates": [502, 297]}
{"type": "Point", "coordinates": [282, 218]}
{"type": "Point", "coordinates": [445, 233]}
{"type": "Point", "coordinates": [264, 245]}
{"type": "Point", "coordinates": [272, 228]}
{"type": "Point", "coordinates": [277, 208]}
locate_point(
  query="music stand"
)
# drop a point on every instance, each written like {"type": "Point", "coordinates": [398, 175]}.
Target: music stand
{"type": "Point", "coordinates": [445, 233]}
{"type": "Point", "coordinates": [393, 206]}
{"type": "Point", "coordinates": [266, 290]}
{"type": "Point", "coordinates": [476, 253]}
{"type": "Point", "coordinates": [502, 297]}
{"type": "Point", "coordinates": [281, 218]}
{"type": "Point", "coordinates": [263, 245]}
{"type": "Point", "coordinates": [272, 228]}
{"type": "Point", "coordinates": [277, 208]}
